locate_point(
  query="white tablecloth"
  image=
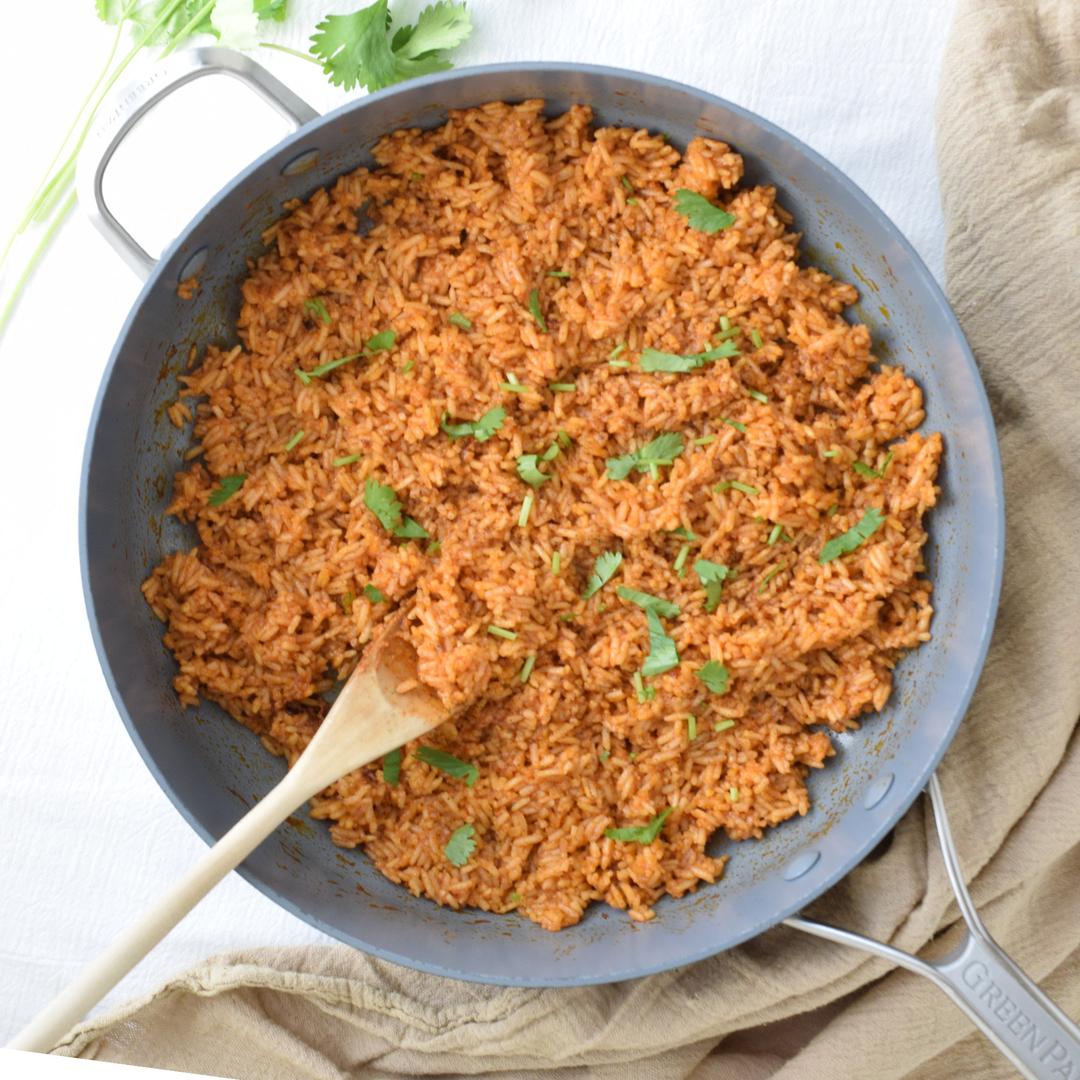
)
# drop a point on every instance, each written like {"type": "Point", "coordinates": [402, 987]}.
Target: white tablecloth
{"type": "Point", "coordinates": [87, 839]}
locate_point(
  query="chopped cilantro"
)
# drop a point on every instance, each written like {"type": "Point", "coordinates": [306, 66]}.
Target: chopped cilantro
{"type": "Point", "coordinates": [648, 602]}
{"type": "Point", "coordinates": [434, 547]}
{"type": "Point", "coordinates": [829, 453]}
{"type": "Point", "coordinates": [461, 845]}
{"type": "Point", "coordinates": [617, 351]}
{"type": "Point", "coordinates": [380, 342]}
{"type": "Point", "coordinates": [512, 386]}
{"type": "Point", "coordinates": [733, 423]}
{"type": "Point", "coordinates": [663, 450]}
{"type": "Point", "coordinates": [604, 755]}
{"type": "Point", "coordinates": [407, 366]}
{"type": "Point", "coordinates": [733, 794]}
{"type": "Point", "coordinates": [526, 509]}
{"type": "Point", "coordinates": [562, 387]}
{"type": "Point", "coordinates": [527, 668]}
{"type": "Point", "coordinates": [349, 459]}
{"type": "Point", "coordinates": [777, 533]}
{"type": "Point", "coordinates": [644, 693]}
{"type": "Point", "coordinates": [755, 339]}
{"type": "Point", "coordinates": [625, 181]}
{"type": "Point", "coordinates": [227, 487]}
{"type": "Point", "coordinates": [640, 834]}
{"type": "Point", "coordinates": [832, 510]}
{"type": "Point", "coordinates": [481, 430]}
{"type": "Point", "coordinates": [557, 273]}
{"type": "Point", "coordinates": [347, 601]}
{"type": "Point", "coordinates": [723, 725]}
{"type": "Point", "coordinates": [556, 562]}
{"type": "Point", "coordinates": [738, 485]}
{"type": "Point", "coordinates": [757, 395]}
{"type": "Point", "coordinates": [528, 469]}
{"type": "Point", "coordinates": [663, 654]}
{"type": "Point", "coordinates": [501, 632]}
{"type": "Point", "coordinates": [391, 767]}
{"type": "Point", "coordinates": [770, 575]}
{"type": "Point", "coordinates": [416, 176]}
{"type": "Point", "coordinates": [715, 676]}
{"type": "Point", "coordinates": [654, 360]}
{"type": "Point", "coordinates": [683, 532]}
{"type": "Point", "coordinates": [712, 576]}
{"type": "Point", "coordinates": [534, 310]}
{"type": "Point", "coordinates": [294, 441]}
{"type": "Point", "coordinates": [631, 202]}
{"type": "Point", "coordinates": [704, 440]}
{"type": "Point", "coordinates": [858, 534]}
{"type": "Point", "coordinates": [876, 474]}
{"type": "Point", "coordinates": [374, 595]}
{"type": "Point", "coordinates": [382, 501]}
{"type": "Point", "coordinates": [319, 308]}
{"type": "Point", "coordinates": [447, 763]}
{"type": "Point", "coordinates": [462, 322]}
{"type": "Point", "coordinates": [679, 565]}
{"type": "Point", "coordinates": [605, 568]}
{"type": "Point", "coordinates": [700, 213]}
{"type": "Point", "coordinates": [619, 363]}
{"type": "Point", "coordinates": [691, 727]}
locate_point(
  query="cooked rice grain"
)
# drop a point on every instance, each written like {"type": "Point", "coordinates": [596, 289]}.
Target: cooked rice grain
{"type": "Point", "coordinates": [268, 609]}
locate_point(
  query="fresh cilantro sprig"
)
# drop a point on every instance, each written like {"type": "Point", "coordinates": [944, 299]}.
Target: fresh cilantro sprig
{"type": "Point", "coordinates": [663, 654]}
{"type": "Point", "coordinates": [605, 568]}
{"type": "Point", "coordinates": [447, 763]}
{"type": "Point", "coordinates": [358, 49]}
{"type": "Point", "coordinates": [653, 360]}
{"type": "Point", "coordinates": [712, 576]}
{"type": "Point", "coordinates": [227, 487]}
{"type": "Point", "coordinates": [663, 450]}
{"type": "Point", "coordinates": [461, 845]}
{"type": "Point", "coordinates": [855, 537]}
{"type": "Point", "coordinates": [481, 430]}
{"type": "Point", "coordinates": [640, 834]}
{"type": "Point", "coordinates": [700, 213]}
{"type": "Point", "coordinates": [382, 501]}
{"type": "Point", "coordinates": [715, 676]}
{"type": "Point", "coordinates": [648, 602]}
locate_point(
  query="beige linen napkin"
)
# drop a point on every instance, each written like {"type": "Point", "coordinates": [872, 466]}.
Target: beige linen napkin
{"type": "Point", "coordinates": [784, 1005]}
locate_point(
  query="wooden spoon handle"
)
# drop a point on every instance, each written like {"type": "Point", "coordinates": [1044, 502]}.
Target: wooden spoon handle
{"type": "Point", "coordinates": [72, 1003]}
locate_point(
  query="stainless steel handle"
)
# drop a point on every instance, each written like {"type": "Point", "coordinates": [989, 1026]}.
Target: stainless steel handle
{"type": "Point", "coordinates": [138, 98]}
{"type": "Point", "coordinates": [978, 976]}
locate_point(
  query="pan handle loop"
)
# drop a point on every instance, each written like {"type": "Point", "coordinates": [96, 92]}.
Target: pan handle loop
{"type": "Point", "coordinates": [1007, 1006]}
{"type": "Point", "coordinates": [137, 99]}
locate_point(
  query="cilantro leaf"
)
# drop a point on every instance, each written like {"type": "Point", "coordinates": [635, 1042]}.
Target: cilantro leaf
{"type": "Point", "coordinates": [644, 693]}
{"type": "Point", "coordinates": [382, 501]}
{"type": "Point", "coordinates": [712, 575]}
{"type": "Point", "coordinates": [461, 845]}
{"type": "Point", "coordinates": [648, 602]}
{"type": "Point", "coordinates": [380, 342]}
{"type": "Point", "coordinates": [270, 9]}
{"type": "Point", "coordinates": [700, 213]}
{"type": "Point", "coordinates": [715, 676]}
{"type": "Point", "coordinates": [227, 487]}
{"type": "Point", "coordinates": [654, 360]}
{"type": "Point", "coordinates": [375, 595]}
{"type": "Point", "coordinates": [875, 474]}
{"type": "Point", "coordinates": [663, 450]}
{"type": "Point", "coordinates": [663, 655]}
{"type": "Point", "coordinates": [607, 564]}
{"type": "Point", "coordinates": [391, 767]}
{"type": "Point", "coordinates": [640, 834]}
{"type": "Point", "coordinates": [447, 763]}
{"type": "Point", "coordinates": [318, 308]}
{"type": "Point", "coordinates": [481, 429]}
{"type": "Point", "coordinates": [462, 322]}
{"type": "Point", "coordinates": [356, 50]}
{"type": "Point", "coordinates": [528, 468]}
{"type": "Point", "coordinates": [534, 310]}
{"type": "Point", "coordinates": [858, 534]}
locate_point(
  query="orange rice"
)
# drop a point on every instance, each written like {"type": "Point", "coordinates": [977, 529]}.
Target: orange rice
{"type": "Point", "coordinates": [269, 608]}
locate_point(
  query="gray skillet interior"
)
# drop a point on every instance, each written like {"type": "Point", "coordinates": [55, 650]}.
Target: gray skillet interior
{"type": "Point", "coordinates": [213, 769]}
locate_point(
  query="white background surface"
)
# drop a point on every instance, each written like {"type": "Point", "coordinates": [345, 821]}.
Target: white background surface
{"type": "Point", "coordinates": [87, 839]}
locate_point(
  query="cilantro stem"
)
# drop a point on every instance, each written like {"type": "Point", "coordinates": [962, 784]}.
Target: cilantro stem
{"type": "Point", "coordinates": [35, 258]}
{"type": "Point", "coordinates": [188, 27]}
{"type": "Point", "coordinates": [292, 52]}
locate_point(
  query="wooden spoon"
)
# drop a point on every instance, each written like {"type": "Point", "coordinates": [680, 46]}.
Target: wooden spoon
{"type": "Point", "coordinates": [369, 719]}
